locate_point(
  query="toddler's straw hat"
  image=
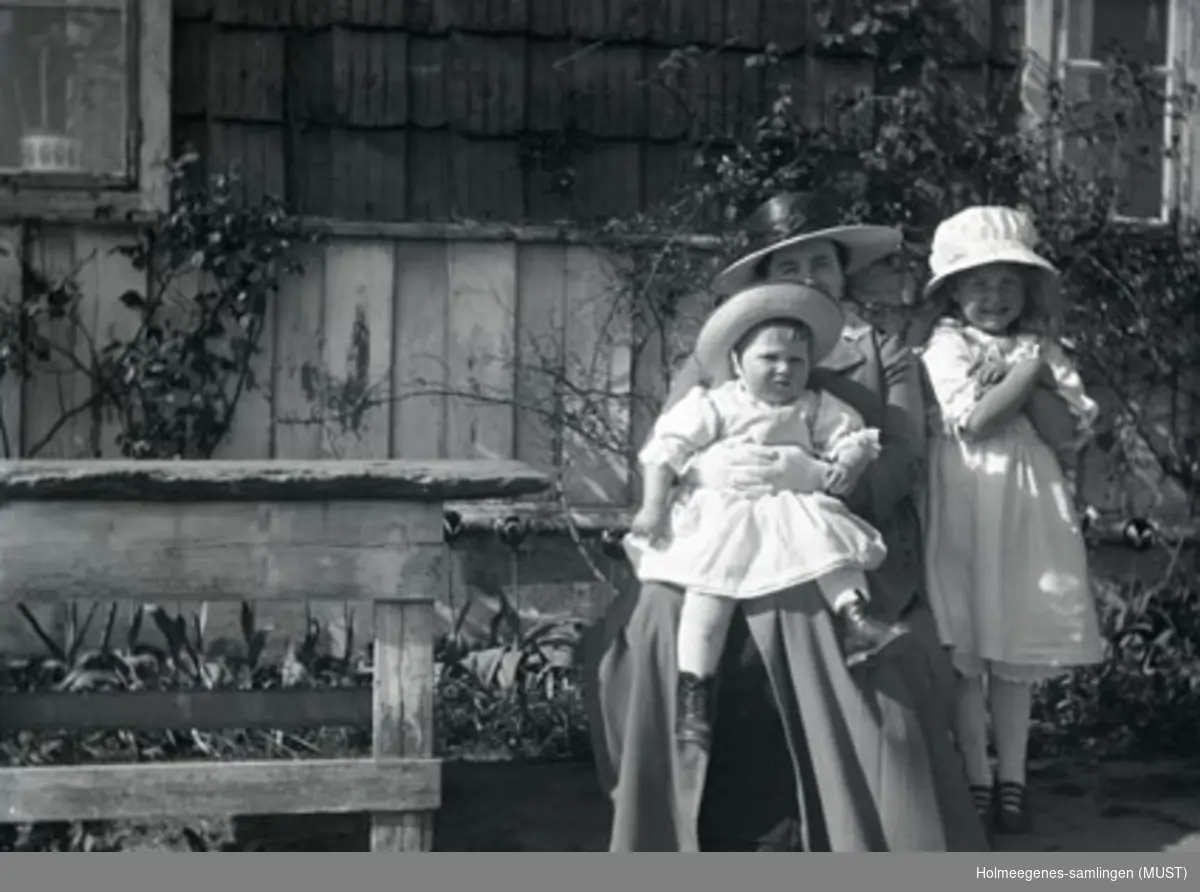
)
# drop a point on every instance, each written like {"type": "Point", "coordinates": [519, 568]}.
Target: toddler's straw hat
{"type": "Point", "coordinates": [981, 235]}
{"type": "Point", "coordinates": [730, 322]}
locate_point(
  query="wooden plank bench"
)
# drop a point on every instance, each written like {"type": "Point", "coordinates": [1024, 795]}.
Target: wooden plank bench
{"type": "Point", "coordinates": [208, 531]}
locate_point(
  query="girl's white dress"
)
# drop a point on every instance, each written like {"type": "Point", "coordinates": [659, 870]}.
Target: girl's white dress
{"type": "Point", "coordinates": [1005, 558]}
{"type": "Point", "coordinates": [747, 544]}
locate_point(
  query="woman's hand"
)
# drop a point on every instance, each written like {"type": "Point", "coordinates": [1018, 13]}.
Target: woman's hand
{"type": "Point", "coordinates": [838, 480]}
{"type": "Point", "coordinates": [751, 467]}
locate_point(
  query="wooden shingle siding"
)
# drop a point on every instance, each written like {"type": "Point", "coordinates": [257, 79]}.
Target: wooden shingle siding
{"type": "Point", "coordinates": [245, 74]}
{"type": "Point", "coordinates": [485, 84]}
{"type": "Point", "coordinates": [550, 110]}
{"type": "Point", "coordinates": [253, 12]}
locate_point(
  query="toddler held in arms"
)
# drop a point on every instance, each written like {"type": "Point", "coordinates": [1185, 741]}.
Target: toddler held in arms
{"type": "Point", "coordinates": [726, 545]}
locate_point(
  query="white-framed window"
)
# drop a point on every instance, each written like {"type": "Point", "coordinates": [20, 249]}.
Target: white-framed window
{"type": "Point", "coordinates": [84, 107]}
{"type": "Point", "coordinates": [1070, 40]}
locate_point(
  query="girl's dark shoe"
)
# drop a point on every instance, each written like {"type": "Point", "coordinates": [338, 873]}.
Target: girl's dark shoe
{"type": "Point", "coordinates": [693, 710]}
{"type": "Point", "coordinates": [984, 800]}
{"type": "Point", "coordinates": [1012, 811]}
{"type": "Point", "coordinates": [867, 637]}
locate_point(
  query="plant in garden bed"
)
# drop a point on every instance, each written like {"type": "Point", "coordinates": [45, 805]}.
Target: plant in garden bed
{"type": "Point", "coordinates": [172, 387]}
{"type": "Point", "coordinates": [487, 702]}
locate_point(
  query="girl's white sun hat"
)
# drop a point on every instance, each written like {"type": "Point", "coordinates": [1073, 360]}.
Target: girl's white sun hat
{"type": "Point", "coordinates": [730, 322]}
{"type": "Point", "coordinates": [984, 234]}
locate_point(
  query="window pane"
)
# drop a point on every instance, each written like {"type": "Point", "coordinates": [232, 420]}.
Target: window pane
{"type": "Point", "coordinates": [1115, 131]}
{"type": "Point", "coordinates": [1139, 27]}
{"type": "Point", "coordinates": [65, 87]}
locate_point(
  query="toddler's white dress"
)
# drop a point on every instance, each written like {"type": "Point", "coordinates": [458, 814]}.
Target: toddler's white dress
{"type": "Point", "coordinates": [741, 544]}
{"type": "Point", "coordinates": [1006, 564]}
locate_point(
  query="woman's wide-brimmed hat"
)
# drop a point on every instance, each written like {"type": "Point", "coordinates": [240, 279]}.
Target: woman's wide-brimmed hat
{"type": "Point", "coordinates": [731, 321]}
{"type": "Point", "coordinates": [794, 218]}
{"type": "Point", "coordinates": [982, 235]}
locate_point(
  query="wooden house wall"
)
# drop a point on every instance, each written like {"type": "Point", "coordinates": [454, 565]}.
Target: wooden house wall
{"type": "Point", "coordinates": [428, 321]}
{"type": "Point", "coordinates": [503, 110]}
{"type": "Point", "coordinates": [375, 110]}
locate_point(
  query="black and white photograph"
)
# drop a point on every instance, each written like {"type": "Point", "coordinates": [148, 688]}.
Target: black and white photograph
{"type": "Point", "coordinates": [365, 365]}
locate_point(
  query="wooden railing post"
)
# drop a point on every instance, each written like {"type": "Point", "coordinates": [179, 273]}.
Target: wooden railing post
{"type": "Point", "coordinates": [403, 712]}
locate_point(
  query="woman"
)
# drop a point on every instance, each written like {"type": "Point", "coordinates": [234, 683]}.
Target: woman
{"type": "Point", "coordinates": [869, 754]}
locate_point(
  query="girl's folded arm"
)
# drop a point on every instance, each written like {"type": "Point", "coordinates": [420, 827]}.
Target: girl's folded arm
{"type": "Point", "coordinates": [950, 364]}
{"type": "Point", "coordinates": [1004, 401]}
{"type": "Point", "coordinates": [1052, 418]}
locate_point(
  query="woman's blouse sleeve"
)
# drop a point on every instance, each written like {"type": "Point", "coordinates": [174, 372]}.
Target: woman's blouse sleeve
{"type": "Point", "coordinates": [948, 361]}
{"type": "Point", "coordinates": [684, 429]}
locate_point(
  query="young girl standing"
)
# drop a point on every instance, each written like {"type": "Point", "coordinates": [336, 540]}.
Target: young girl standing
{"type": "Point", "coordinates": [1005, 558]}
{"type": "Point", "coordinates": [725, 545]}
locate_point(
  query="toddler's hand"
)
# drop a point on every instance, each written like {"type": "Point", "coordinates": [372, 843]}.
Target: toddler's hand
{"type": "Point", "coordinates": [650, 523]}
{"type": "Point", "coordinates": [837, 480]}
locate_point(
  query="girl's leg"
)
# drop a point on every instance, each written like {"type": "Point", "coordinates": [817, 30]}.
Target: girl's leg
{"type": "Point", "coordinates": [845, 591]}
{"type": "Point", "coordinates": [1012, 703]}
{"type": "Point", "coordinates": [971, 732]}
{"type": "Point", "coordinates": [971, 729]}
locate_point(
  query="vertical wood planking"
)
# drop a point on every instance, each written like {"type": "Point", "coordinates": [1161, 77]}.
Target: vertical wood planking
{"type": "Point", "coordinates": [1190, 165]}
{"type": "Point", "coordinates": [403, 711]}
{"type": "Point", "coordinates": [1041, 57]}
{"type": "Point", "coordinates": [359, 287]}
{"type": "Point", "coordinates": [419, 370]}
{"type": "Point", "coordinates": [11, 249]}
{"type": "Point", "coordinates": [479, 350]}
{"type": "Point", "coordinates": [299, 327]}
{"type": "Point", "coordinates": [540, 340]}
{"type": "Point", "coordinates": [15, 636]}
{"type": "Point", "coordinates": [598, 361]}
{"type": "Point", "coordinates": [650, 373]}
{"type": "Point", "coordinates": [55, 387]}
{"type": "Point", "coordinates": [103, 280]}
{"type": "Point", "coordinates": [251, 430]}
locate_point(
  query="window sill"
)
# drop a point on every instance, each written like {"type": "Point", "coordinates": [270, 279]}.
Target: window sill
{"type": "Point", "coordinates": [21, 203]}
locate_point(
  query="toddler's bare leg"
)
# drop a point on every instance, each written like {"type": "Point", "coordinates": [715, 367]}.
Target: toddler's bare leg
{"type": "Point", "coordinates": [703, 626]}
{"type": "Point", "coordinates": [845, 591]}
